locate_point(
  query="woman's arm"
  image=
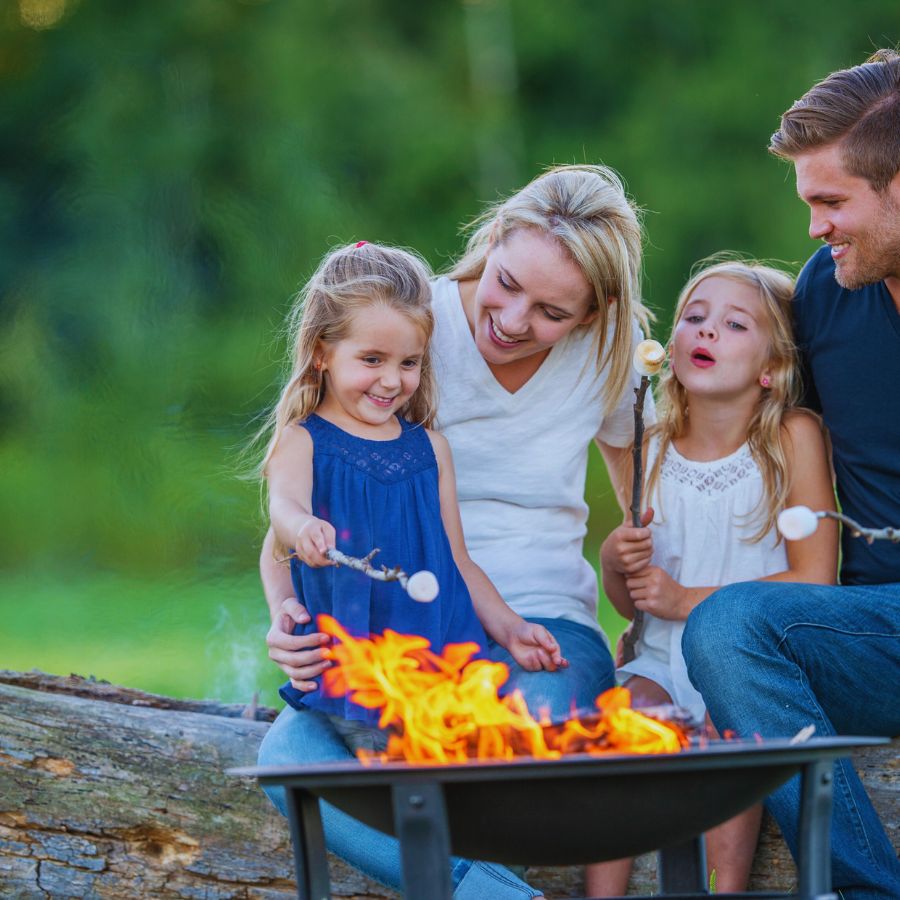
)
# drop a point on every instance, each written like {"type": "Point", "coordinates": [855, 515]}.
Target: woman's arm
{"type": "Point", "coordinates": [810, 561]}
{"type": "Point", "coordinates": [532, 646]}
{"type": "Point", "coordinates": [619, 467]}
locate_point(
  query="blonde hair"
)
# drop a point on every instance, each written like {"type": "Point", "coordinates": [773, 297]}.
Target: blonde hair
{"type": "Point", "coordinates": [586, 210]}
{"type": "Point", "coordinates": [765, 432]}
{"type": "Point", "coordinates": [347, 280]}
{"type": "Point", "coordinates": [858, 107]}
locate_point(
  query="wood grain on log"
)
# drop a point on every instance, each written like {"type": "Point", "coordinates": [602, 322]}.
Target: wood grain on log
{"type": "Point", "coordinates": [109, 792]}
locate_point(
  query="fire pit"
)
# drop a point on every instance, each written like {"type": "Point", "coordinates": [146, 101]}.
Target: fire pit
{"type": "Point", "coordinates": [597, 808]}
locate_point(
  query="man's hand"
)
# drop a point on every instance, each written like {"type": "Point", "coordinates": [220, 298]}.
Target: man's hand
{"type": "Point", "coordinates": [301, 657]}
{"type": "Point", "coordinates": [657, 593]}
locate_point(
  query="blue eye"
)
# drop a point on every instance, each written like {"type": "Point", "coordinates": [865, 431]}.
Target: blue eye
{"type": "Point", "coordinates": [736, 326]}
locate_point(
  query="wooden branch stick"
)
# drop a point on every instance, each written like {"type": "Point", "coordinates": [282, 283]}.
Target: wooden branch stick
{"type": "Point", "coordinates": [421, 586]}
{"type": "Point", "coordinates": [870, 535]}
{"type": "Point", "coordinates": [365, 566]}
{"type": "Point", "coordinates": [637, 455]}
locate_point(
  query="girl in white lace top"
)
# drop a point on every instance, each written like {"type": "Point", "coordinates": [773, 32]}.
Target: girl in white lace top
{"type": "Point", "coordinates": [729, 451]}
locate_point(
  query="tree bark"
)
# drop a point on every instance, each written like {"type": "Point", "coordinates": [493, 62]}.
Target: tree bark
{"type": "Point", "coordinates": [110, 792]}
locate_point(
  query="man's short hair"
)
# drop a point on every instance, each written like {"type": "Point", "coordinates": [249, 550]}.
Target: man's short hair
{"type": "Point", "coordinates": [858, 108]}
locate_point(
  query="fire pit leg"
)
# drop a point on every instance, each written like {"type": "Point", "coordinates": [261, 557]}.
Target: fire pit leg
{"type": "Point", "coordinates": [814, 839]}
{"type": "Point", "coordinates": [682, 867]}
{"type": "Point", "coordinates": [420, 821]}
{"type": "Point", "coordinates": [308, 839]}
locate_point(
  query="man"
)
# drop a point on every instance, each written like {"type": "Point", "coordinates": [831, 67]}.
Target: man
{"type": "Point", "coordinates": [772, 658]}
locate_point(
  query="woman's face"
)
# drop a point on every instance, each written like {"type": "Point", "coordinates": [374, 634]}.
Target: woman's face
{"type": "Point", "coordinates": [531, 295]}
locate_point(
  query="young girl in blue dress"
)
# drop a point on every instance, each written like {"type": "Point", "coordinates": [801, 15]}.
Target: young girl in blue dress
{"type": "Point", "coordinates": [729, 451]}
{"type": "Point", "coordinates": [353, 464]}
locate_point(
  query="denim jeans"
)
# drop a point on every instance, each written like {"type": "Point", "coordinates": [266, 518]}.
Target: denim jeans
{"type": "Point", "coordinates": [771, 658]}
{"type": "Point", "coordinates": [300, 737]}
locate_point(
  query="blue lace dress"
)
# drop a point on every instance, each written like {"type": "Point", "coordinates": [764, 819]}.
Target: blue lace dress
{"type": "Point", "coordinates": [379, 494]}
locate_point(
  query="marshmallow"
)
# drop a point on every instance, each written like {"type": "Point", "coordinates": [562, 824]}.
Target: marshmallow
{"type": "Point", "coordinates": [797, 523]}
{"type": "Point", "coordinates": [422, 586]}
{"type": "Point", "coordinates": [649, 357]}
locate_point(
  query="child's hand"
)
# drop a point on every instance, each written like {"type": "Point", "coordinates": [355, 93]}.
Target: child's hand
{"type": "Point", "coordinates": [626, 549]}
{"type": "Point", "coordinates": [314, 538]}
{"type": "Point", "coordinates": [534, 648]}
{"type": "Point", "coordinates": [656, 592]}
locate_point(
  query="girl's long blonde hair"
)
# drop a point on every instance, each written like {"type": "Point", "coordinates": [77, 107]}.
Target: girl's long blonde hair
{"type": "Point", "coordinates": [765, 433]}
{"type": "Point", "coordinates": [586, 209]}
{"type": "Point", "coordinates": [347, 280]}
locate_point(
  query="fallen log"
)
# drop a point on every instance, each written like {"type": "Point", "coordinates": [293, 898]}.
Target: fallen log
{"type": "Point", "coordinates": [111, 792]}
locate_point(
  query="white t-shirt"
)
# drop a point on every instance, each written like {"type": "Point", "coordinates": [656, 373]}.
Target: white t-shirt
{"type": "Point", "coordinates": [704, 513]}
{"type": "Point", "coordinates": [521, 461]}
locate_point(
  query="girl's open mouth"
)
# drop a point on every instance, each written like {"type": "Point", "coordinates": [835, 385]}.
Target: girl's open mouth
{"type": "Point", "coordinates": [702, 358]}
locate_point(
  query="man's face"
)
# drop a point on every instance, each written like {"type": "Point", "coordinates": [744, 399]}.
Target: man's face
{"type": "Point", "coordinates": [861, 226]}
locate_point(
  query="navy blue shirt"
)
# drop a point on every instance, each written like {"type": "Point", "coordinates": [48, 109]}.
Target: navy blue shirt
{"type": "Point", "coordinates": [849, 345]}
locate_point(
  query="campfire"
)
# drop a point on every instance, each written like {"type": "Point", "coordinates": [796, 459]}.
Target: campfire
{"type": "Point", "coordinates": [470, 772]}
{"type": "Point", "coordinates": [446, 708]}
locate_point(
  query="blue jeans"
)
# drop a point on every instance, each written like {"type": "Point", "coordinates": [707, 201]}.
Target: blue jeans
{"type": "Point", "coordinates": [770, 658]}
{"type": "Point", "coordinates": [299, 737]}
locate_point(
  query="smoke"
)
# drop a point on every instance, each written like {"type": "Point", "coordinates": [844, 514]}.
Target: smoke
{"type": "Point", "coordinates": [236, 656]}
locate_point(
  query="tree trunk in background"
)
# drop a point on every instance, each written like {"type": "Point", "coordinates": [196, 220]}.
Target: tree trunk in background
{"type": "Point", "coordinates": [109, 792]}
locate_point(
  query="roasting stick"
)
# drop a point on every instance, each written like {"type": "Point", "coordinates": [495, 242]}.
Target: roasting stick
{"type": "Point", "coordinates": [648, 359]}
{"type": "Point", "coordinates": [421, 586]}
{"type": "Point", "coordinates": [798, 522]}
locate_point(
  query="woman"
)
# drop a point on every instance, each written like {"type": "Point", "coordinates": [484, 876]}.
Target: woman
{"type": "Point", "coordinates": [535, 329]}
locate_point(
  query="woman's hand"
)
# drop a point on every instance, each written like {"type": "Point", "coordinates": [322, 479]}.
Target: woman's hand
{"type": "Point", "coordinates": [302, 656]}
{"type": "Point", "coordinates": [534, 648]}
{"type": "Point", "coordinates": [626, 549]}
{"type": "Point", "coordinates": [314, 539]}
{"type": "Point", "coordinates": [657, 593]}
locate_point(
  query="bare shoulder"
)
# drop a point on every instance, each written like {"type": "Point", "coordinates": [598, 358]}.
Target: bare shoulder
{"type": "Point", "coordinates": [441, 447]}
{"type": "Point", "coordinates": [439, 443]}
{"type": "Point", "coordinates": [803, 427]}
{"type": "Point", "coordinates": [294, 443]}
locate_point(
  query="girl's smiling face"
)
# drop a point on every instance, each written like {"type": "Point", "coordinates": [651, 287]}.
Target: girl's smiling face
{"type": "Point", "coordinates": [721, 344]}
{"type": "Point", "coordinates": [372, 372]}
{"type": "Point", "coordinates": [530, 296]}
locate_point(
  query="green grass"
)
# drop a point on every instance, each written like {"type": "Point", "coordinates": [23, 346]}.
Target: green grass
{"type": "Point", "coordinates": [186, 636]}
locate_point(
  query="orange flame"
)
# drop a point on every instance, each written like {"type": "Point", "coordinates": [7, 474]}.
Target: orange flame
{"type": "Point", "coordinates": [446, 708]}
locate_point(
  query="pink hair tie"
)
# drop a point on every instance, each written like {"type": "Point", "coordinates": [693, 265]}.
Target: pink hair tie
{"type": "Point", "coordinates": [361, 243]}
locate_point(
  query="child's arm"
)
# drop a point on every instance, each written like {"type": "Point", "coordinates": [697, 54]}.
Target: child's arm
{"type": "Point", "coordinates": [532, 646]}
{"type": "Point", "coordinates": [289, 474]}
{"type": "Point", "coordinates": [810, 561]}
{"type": "Point", "coordinates": [626, 551]}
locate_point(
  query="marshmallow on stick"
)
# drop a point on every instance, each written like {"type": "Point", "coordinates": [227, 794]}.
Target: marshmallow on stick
{"type": "Point", "coordinates": [421, 586]}
{"type": "Point", "coordinates": [648, 360]}
{"type": "Point", "coordinates": [799, 522]}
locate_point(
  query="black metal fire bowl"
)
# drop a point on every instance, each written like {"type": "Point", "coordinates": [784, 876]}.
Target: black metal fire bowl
{"type": "Point", "coordinates": [577, 809]}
